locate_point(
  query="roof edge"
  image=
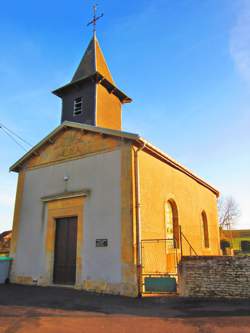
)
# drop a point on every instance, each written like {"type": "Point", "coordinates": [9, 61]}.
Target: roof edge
{"type": "Point", "coordinates": [177, 165]}
{"type": "Point", "coordinates": [122, 134]}
{"type": "Point", "coordinates": [100, 78]}
{"type": "Point", "coordinates": [95, 129]}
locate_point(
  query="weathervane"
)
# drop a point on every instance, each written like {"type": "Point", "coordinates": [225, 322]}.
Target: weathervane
{"type": "Point", "coordinates": [95, 19]}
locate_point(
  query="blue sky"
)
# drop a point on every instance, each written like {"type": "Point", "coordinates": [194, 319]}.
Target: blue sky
{"type": "Point", "coordinates": [185, 63]}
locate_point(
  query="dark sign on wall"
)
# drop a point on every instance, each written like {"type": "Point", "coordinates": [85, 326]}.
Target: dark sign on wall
{"type": "Point", "coordinates": [101, 243]}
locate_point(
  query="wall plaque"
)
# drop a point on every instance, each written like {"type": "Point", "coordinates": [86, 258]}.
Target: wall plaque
{"type": "Point", "coordinates": [101, 242]}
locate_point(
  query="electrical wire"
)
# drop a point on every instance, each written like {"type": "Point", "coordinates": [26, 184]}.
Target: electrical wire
{"type": "Point", "coordinates": [14, 134]}
{"type": "Point", "coordinates": [12, 138]}
{"type": "Point", "coordinates": [15, 137]}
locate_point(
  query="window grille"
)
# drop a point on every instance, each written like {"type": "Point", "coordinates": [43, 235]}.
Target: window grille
{"type": "Point", "coordinates": [77, 106]}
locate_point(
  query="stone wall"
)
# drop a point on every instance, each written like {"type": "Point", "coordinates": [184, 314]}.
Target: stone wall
{"type": "Point", "coordinates": [215, 276]}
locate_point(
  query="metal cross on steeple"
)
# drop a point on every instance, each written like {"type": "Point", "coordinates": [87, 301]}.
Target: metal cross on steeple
{"type": "Point", "coordinates": [95, 19]}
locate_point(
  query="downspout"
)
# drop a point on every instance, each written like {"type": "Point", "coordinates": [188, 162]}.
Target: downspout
{"type": "Point", "coordinates": [138, 218]}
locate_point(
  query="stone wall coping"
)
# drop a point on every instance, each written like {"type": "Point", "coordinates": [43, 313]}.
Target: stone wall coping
{"type": "Point", "coordinates": [197, 258]}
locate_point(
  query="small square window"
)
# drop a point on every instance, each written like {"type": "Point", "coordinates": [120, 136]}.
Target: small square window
{"type": "Point", "coordinates": [77, 106]}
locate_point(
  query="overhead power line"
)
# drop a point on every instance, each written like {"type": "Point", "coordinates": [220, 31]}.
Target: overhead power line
{"type": "Point", "coordinates": [13, 133]}
{"type": "Point", "coordinates": [15, 137]}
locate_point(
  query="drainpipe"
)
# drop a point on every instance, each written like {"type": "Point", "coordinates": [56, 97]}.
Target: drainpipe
{"type": "Point", "coordinates": [138, 217]}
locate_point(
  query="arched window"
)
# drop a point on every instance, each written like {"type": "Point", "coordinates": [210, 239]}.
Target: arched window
{"type": "Point", "coordinates": [172, 225]}
{"type": "Point", "coordinates": [205, 233]}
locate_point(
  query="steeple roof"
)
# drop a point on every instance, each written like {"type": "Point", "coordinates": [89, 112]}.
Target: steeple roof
{"type": "Point", "coordinates": [92, 62]}
{"type": "Point", "coordinates": [93, 65]}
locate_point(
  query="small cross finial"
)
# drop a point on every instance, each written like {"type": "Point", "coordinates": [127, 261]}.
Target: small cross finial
{"type": "Point", "coordinates": [95, 18]}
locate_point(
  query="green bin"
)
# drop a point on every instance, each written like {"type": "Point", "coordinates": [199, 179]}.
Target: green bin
{"type": "Point", "coordinates": [4, 269]}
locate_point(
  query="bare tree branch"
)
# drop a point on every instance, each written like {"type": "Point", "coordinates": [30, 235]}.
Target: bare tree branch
{"type": "Point", "coordinates": [229, 212]}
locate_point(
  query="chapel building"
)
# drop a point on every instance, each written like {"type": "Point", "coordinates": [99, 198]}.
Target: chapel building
{"type": "Point", "coordinates": [102, 209]}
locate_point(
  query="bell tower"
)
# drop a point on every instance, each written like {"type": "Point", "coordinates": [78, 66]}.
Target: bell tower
{"type": "Point", "coordinates": [92, 96]}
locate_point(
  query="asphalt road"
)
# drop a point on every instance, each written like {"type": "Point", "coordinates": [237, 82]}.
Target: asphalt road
{"type": "Point", "coordinates": [25, 309]}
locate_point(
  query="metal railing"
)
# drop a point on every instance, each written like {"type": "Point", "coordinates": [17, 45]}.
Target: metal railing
{"type": "Point", "coordinates": [191, 249]}
{"type": "Point", "coordinates": [160, 256]}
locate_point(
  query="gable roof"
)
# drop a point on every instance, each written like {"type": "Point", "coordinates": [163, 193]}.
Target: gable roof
{"type": "Point", "coordinates": [135, 138]}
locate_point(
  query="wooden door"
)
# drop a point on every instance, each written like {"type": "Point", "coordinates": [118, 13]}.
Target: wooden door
{"type": "Point", "coordinates": [65, 251]}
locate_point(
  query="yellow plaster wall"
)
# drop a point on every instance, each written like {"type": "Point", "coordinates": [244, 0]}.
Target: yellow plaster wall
{"type": "Point", "coordinates": [128, 241]}
{"type": "Point", "coordinates": [108, 109]}
{"type": "Point", "coordinates": [56, 209]}
{"type": "Point", "coordinates": [69, 144]}
{"type": "Point", "coordinates": [161, 182]}
{"type": "Point", "coordinates": [128, 286]}
{"type": "Point", "coordinates": [15, 229]}
{"type": "Point", "coordinates": [104, 287]}
{"type": "Point", "coordinates": [17, 211]}
{"type": "Point", "coordinates": [27, 280]}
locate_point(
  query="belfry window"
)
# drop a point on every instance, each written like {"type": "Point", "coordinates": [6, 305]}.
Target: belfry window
{"type": "Point", "coordinates": [77, 106]}
{"type": "Point", "coordinates": [205, 232]}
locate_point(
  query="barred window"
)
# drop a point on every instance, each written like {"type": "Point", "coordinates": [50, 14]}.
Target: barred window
{"type": "Point", "coordinates": [78, 106]}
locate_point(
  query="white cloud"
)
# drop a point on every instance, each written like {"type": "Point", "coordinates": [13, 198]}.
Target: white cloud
{"type": "Point", "coordinates": [240, 41]}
